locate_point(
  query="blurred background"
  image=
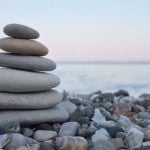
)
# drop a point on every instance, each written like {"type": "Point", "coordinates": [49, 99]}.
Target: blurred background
{"type": "Point", "coordinates": [97, 44]}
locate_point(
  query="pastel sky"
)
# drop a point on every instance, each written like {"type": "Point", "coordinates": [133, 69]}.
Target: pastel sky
{"type": "Point", "coordinates": [85, 29]}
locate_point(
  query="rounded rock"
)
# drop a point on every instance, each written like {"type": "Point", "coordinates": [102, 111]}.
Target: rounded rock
{"type": "Point", "coordinates": [114, 130]}
{"type": "Point", "coordinates": [35, 100]}
{"type": "Point", "coordinates": [104, 145]}
{"type": "Point", "coordinates": [22, 148]}
{"type": "Point", "coordinates": [70, 143]}
{"type": "Point", "coordinates": [31, 117]}
{"type": "Point", "coordinates": [20, 31]}
{"type": "Point", "coordinates": [69, 106]}
{"type": "Point", "coordinates": [86, 132]}
{"type": "Point", "coordinates": [12, 80]}
{"type": "Point", "coordinates": [69, 129]}
{"type": "Point", "coordinates": [143, 115]}
{"type": "Point", "coordinates": [17, 140]}
{"type": "Point", "coordinates": [12, 127]}
{"type": "Point", "coordinates": [121, 92]}
{"type": "Point", "coordinates": [33, 63]}
{"type": "Point", "coordinates": [100, 134]}
{"type": "Point", "coordinates": [56, 126]}
{"type": "Point", "coordinates": [134, 137]}
{"type": "Point", "coordinates": [43, 135]}
{"type": "Point", "coordinates": [46, 146]}
{"type": "Point", "coordinates": [22, 46]}
{"type": "Point", "coordinates": [27, 132]}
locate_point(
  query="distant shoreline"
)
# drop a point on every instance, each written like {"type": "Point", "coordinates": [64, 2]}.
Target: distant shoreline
{"type": "Point", "coordinates": [106, 62]}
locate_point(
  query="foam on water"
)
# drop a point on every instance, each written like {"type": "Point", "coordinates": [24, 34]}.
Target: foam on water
{"type": "Point", "coordinates": [90, 77]}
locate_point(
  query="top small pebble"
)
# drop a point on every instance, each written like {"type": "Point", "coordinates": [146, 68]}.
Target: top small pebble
{"type": "Point", "coordinates": [20, 31]}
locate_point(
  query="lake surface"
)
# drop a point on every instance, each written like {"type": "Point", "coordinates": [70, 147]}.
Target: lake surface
{"type": "Point", "coordinates": [89, 77]}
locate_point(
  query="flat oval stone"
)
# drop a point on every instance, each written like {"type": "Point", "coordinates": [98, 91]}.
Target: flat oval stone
{"type": "Point", "coordinates": [33, 63]}
{"type": "Point", "coordinates": [30, 117]}
{"type": "Point", "coordinates": [44, 135]}
{"type": "Point", "coordinates": [22, 46]}
{"type": "Point", "coordinates": [35, 100]}
{"type": "Point", "coordinates": [20, 31]}
{"type": "Point", "coordinates": [12, 80]}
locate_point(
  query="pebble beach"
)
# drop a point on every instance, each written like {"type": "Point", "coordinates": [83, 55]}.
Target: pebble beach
{"type": "Point", "coordinates": [35, 116]}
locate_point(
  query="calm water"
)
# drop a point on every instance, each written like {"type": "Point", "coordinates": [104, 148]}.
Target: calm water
{"type": "Point", "coordinates": [90, 77]}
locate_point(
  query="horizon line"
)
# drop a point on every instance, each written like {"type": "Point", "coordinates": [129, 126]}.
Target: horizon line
{"type": "Point", "coordinates": [104, 62]}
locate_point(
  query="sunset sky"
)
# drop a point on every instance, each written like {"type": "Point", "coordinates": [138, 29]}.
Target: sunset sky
{"type": "Point", "coordinates": [85, 30]}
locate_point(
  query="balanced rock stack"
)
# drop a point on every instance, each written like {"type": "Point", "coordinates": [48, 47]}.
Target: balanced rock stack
{"type": "Point", "coordinates": [26, 93]}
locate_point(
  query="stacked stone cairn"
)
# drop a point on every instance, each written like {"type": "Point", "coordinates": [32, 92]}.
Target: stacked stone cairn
{"type": "Point", "coordinates": [26, 94]}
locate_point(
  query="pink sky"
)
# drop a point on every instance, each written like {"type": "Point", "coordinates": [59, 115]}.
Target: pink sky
{"type": "Point", "coordinates": [86, 30]}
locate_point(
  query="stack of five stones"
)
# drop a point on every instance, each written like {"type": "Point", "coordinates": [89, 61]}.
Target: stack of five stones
{"type": "Point", "coordinates": [26, 93]}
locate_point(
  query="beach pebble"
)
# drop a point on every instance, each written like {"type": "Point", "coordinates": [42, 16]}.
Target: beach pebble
{"type": "Point", "coordinates": [122, 108]}
{"type": "Point", "coordinates": [85, 125]}
{"type": "Point", "coordinates": [33, 63]}
{"type": "Point", "coordinates": [144, 123]}
{"type": "Point", "coordinates": [70, 143]}
{"type": "Point", "coordinates": [99, 120]}
{"type": "Point", "coordinates": [146, 145]}
{"type": "Point", "coordinates": [114, 130]}
{"type": "Point", "coordinates": [23, 47]}
{"type": "Point", "coordinates": [121, 93]}
{"type": "Point", "coordinates": [147, 134]}
{"type": "Point", "coordinates": [134, 138]}
{"type": "Point", "coordinates": [43, 135]}
{"type": "Point", "coordinates": [69, 129]}
{"type": "Point", "coordinates": [100, 134]}
{"type": "Point", "coordinates": [143, 115]}
{"type": "Point", "coordinates": [108, 97]}
{"type": "Point", "coordinates": [84, 120]}
{"type": "Point", "coordinates": [106, 113]}
{"type": "Point", "coordinates": [20, 31]}
{"type": "Point", "coordinates": [86, 132]}
{"type": "Point", "coordinates": [98, 117]}
{"type": "Point", "coordinates": [17, 140]}
{"type": "Point", "coordinates": [12, 127]}
{"type": "Point", "coordinates": [88, 111]}
{"type": "Point", "coordinates": [46, 146]}
{"type": "Point", "coordinates": [56, 127]}
{"type": "Point", "coordinates": [22, 148]}
{"type": "Point", "coordinates": [77, 115]}
{"type": "Point", "coordinates": [127, 99]}
{"type": "Point", "coordinates": [103, 145]}
{"type": "Point", "coordinates": [138, 108]}
{"type": "Point", "coordinates": [124, 122]}
{"type": "Point", "coordinates": [30, 117]}
{"type": "Point", "coordinates": [12, 80]}
{"type": "Point", "coordinates": [38, 100]}
{"type": "Point", "coordinates": [76, 101]}
{"type": "Point", "coordinates": [145, 99]}
{"type": "Point", "coordinates": [27, 132]}
{"type": "Point", "coordinates": [82, 132]}
{"type": "Point", "coordinates": [4, 140]}
{"type": "Point", "coordinates": [118, 142]}
{"type": "Point", "coordinates": [36, 147]}
{"type": "Point", "coordinates": [69, 106]}
{"type": "Point", "coordinates": [121, 135]}
{"type": "Point", "coordinates": [136, 127]}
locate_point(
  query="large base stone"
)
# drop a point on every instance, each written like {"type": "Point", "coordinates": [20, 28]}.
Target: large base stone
{"type": "Point", "coordinates": [29, 117]}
